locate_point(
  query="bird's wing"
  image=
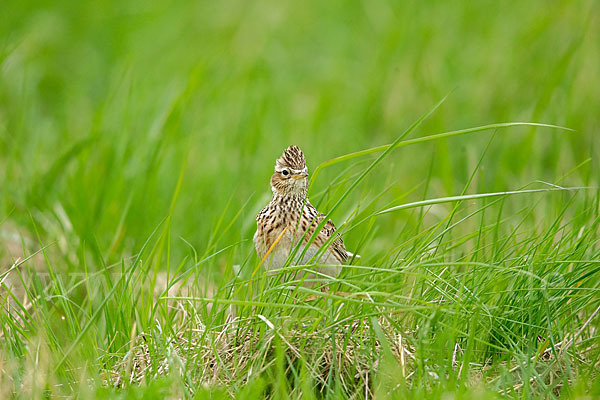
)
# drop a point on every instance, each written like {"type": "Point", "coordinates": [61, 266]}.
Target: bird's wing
{"type": "Point", "coordinates": [337, 245]}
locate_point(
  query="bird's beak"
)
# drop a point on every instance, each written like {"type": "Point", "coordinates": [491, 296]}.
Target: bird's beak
{"type": "Point", "coordinates": [301, 175]}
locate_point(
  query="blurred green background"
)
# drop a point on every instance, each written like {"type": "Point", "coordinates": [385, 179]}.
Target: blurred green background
{"type": "Point", "coordinates": [103, 104]}
{"type": "Point", "coordinates": [123, 118]}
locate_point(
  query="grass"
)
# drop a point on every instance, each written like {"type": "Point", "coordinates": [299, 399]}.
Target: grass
{"type": "Point", "coordinates": [136, 144]}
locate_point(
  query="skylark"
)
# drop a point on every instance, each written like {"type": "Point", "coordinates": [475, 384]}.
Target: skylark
{"type": "Point", "coordinates": [290, 218]}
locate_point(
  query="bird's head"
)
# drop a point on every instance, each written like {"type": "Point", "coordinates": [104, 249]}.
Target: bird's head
{"type": "Point", "coordinates": [290, 173]}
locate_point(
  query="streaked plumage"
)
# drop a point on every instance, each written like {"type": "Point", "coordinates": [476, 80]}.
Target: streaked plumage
{"type": "Point", "coordinates": [290, 215]}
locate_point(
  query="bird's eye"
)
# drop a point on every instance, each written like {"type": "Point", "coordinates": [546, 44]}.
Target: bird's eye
{"type": "Point", "coordinates": [285, 172]}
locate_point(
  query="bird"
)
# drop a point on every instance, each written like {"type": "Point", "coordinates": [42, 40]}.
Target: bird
{"type": "Point", "coordinates": [290, 218]}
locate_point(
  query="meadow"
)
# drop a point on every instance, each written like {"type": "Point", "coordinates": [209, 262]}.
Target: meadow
{"type": "Point", "coordinates": [454, 145]}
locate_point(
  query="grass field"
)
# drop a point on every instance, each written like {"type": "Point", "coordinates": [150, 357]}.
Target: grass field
{"type": "Point", "coordinates": [137, 140]}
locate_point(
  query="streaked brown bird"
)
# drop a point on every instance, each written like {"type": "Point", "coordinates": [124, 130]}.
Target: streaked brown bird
{"type": "Point", "coordinates": [290, 218]}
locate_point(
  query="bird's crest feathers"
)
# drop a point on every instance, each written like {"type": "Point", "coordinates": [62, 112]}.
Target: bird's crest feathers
{"type": "Point", "coordinates": [292, 158]}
